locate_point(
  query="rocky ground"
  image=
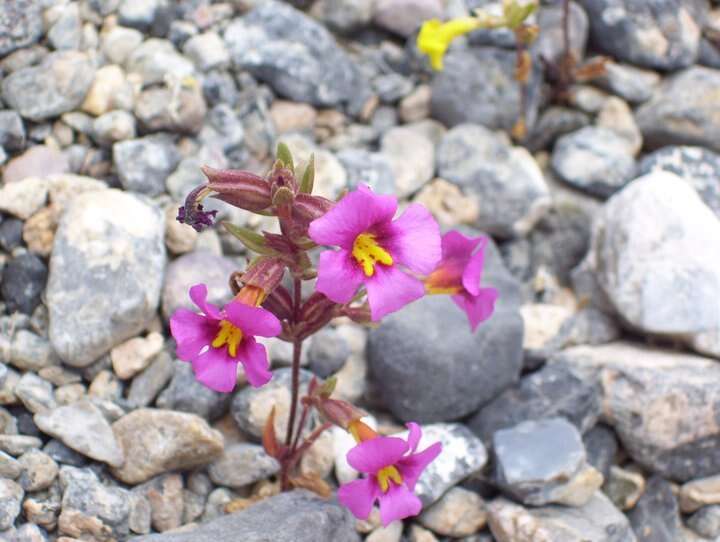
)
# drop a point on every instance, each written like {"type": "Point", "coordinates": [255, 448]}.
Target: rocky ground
{"type": "Point", "coordinates": [586, 409]}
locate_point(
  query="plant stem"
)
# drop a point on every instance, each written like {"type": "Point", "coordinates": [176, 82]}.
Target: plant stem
{"type": "Point", "coordinates": [297, 351]}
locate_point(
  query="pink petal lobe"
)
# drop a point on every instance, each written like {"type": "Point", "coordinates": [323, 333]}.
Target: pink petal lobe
{"type": "Point", "coordinates": [253, 321]}
{"type": "Point", "coordinates": [414, 434]}
{"type": "Point", "coordinates": [457, 245]}
{"type": "Point", "coordinates": [390, 289]}
{"type": "Point", "coordinates": [372, 455]}
{"type": "Point", "coordinates": [192, 332]}
{"type": "Point", "coordinates": [356, 213]}
{"type": "Point", "coordinates": [216, 369]}
{"type": "Point", "coordinates": [338, 276]}
{"type": "Point", "coordinates": [255, 362]}
{"type": "Point", "coordinates": [412, 466]}
{"type": "Point", "coordinates": [198, 294]}
{"type": "Point", "coordinates": [358, 496]}
{"type": "Point", "coordinates": [477, 308]}
{"type": "Point", "coordinates": [398, 503]}
{"type": "Point", "coordinates": [473, 272]}
{"type": "Point", "coordinates": [414, 239]}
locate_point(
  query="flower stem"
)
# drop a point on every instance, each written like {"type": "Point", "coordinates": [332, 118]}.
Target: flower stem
{"type": "Point", "coordinates": [297, 351]}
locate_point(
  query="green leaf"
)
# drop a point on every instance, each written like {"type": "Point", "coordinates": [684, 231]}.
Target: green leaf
{"type": "Point", "coordinates": [308, 178]}
{"type": "Point", "coordinates": [285, 156]}
{"type": "Point", "coordinates": [252, 240]}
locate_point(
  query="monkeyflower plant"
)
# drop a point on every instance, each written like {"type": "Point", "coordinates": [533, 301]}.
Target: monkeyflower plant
{"type": "Point", "coordinates": [373, 261]}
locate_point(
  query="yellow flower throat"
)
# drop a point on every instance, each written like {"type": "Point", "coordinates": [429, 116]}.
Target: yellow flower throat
{"type": "Point", "coordinates": [386, 474]}
{"type": "Point", "coordinates": [230, 335]}
{"type": "Point", "coordinates": [368, 253]}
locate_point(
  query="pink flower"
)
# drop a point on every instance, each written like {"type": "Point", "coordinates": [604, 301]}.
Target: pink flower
{"type": "Point", "coordinates": [459, 273]}
{"type": "Point", "coordinates": [375, 250]}
{"type": "Point", "coordinates": [217, 340]}
{"type": "Point", "coordinates": [393, 467]}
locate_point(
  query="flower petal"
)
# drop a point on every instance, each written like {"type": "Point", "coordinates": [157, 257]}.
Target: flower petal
{"type": "Point", "coordinates": [372, 455]}
{"type": "Point", "coordinates": [398, 503]}
{"type": "Point", "coordinates": [216, 369]}
{"type": "Point", "coordinates": [198, 294]}
{"type": "Point", "coordinates": [338, 276]}
{"type": "Point", "coordinates": [414, 435]}
{"type": "Point", "coordinates": [412, 466]}
{"type": "Point", "coordinates": [358, 496]}
{"type": "Point", "coordinates": [254, 321]}
{"type": "Point", "coordinates": [458, 245]}
{"type": "Point", "coordinates": [473, 271]}
{"type": "Point", "coordinates": [192, 332]}
{"type": "Point", "coordinates": [356, 213]}
{"type": "Point", "coordinates": [414, 239]}
{"type": "Point", "coordinates": [478, 308]}
{"type": "Point", "coordinates": [254, 359]}
{"type": "Point", "coordinates": [390, 289]}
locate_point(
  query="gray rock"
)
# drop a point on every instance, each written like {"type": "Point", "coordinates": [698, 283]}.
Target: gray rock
{"type": "Point", "coordinates": [555, 390]}
{"type": "Point", "coordinates": [597, 521]}
{"type": "Point", "coordinates": [543, 461]}
{"type": "Point", "coordinates": [706, 521]}
{"type": "Point", "coordinates": [299, 516]}
{"type": "Point", "coordinates": [328, 352]}
{"type": "Point", "coordinates": [57, 85]}
{"type": "Point", "coordinates": [88, 506]}
{"type": "Point", "coordinates": [657, 34]}
{"type": "Point", "coordinates": [11, 234]}
{"type": "Point", "coordinates": [11, 495]}
{"type": "Point", "coordinates": [193, 268]}
{"type": "Point", "coordinates": [428, 366]}
{"type": "Point", "coordinates": [38, 470]}
{"type": "Point", "coordinates": [477, 86]}
{"type": "Point", "coordinates": [35, 393]}
{"type": "Point", "coordinates": [20, 25]}
{"type": "Point", "coordinates": [660, 279]}
{"type": "Point", "coordinates": [9, 466]}
{"type": "Point", "coordinates": [27, 533]}
{"type": "Point", "coordinates": [554, 122]}
{"type": "Point", "coordinates": [506, 181]}
{"type": "Point", "coordinates": [601, 445]}
{"type": "Point", "coordinates": [147, 385]}
{"type": "Point", "coordinates": [632, 84]}
{"type": "Point", "coordinates": [179, 110]}
{"type": "Point", "coordinates": [411, 154]}
{"type": "Point", "coordinates": [143, 164]}
{"type": "Point", "coordinates": [683, 110]}
{"type": "Point", "coordinates": [63, 454]}
{"type": "Point", "coordinates": [403, 17]}
{"type": "Point", "coordinates": [463, 455]}
{"type": "Point", "coordinates": [23, 282]}
{"type": "Point", "coordinates": [549, 44]}
{"type": "Point", "coordinates": [101, 295]}
{"type": "Point", "coordinates": [251, 406]}
{"type": "Point", "coordinates": [242, 464]}
{"type": "Point", "coordinates": [82, 427]}
{"type": "Point", "coordinates": [656, 517]}
{"type": "Point", "coordinates": [207, 51]}
{"type": "Point", "coordinates": [31, 352]}
{"type": "Point", "coordinates": [12, 131]}
{"type": "Point", "coordinates": [186, 394]}
{"type": "Point", "coordinates": [113, 126]}
{"type": "Point", "coordinates": [371, 168]}
{"type": "Point", "coordinates": [16, 445]}
{"type": "Point", "coordinates": [66, 31]}
{"type": "Point", "coordinates": [391, 87]}
{"type": "Point", "coordinates": [157, 441]}
{"type": "Point", "coordinates": [164, 494]}
{"type": "Point", "coordinates": [343, 15]}
{"type": "Point", "coordinates": [594, 159]}
{"type": "Point", "coordinates": [147, 15]}
{"type": "Point", "coordinates": [587, 326]}
{"type": "Point", "coordinates": [698, 166]}
{"type": "Point", "coordinates": [295, 55]}
{"type": "Point", "coordinates": [642, 386]}
{"type": "Point", "coordinates": [157, 61]}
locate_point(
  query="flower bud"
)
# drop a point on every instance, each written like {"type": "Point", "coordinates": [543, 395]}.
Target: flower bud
{"type": "Point", "coordinates": [265, 272]}
{"type": "Point", "coordinates": [192, 212]}
{"type": "Point", "coordinates": [239, 188]}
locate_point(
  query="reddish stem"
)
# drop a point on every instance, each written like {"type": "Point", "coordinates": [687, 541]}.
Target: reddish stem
{"type": "Point", "coordinates": [297, 350]}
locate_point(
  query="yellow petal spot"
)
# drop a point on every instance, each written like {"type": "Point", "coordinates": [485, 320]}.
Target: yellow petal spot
{"type": "Point", "coordinates": [230, 335]}
{"type": "Point", "coordinates": [443, 282]}
{"type": "Point", "coordinates": [435, 37]}
{"type": "Point", "coordinates": [386, 474]}
{"type": "Point", "coordinates": [368, 253]}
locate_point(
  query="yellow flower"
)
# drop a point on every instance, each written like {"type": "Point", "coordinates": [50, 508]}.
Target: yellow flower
{"type": "Point", "coordinates": [435, 37]}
